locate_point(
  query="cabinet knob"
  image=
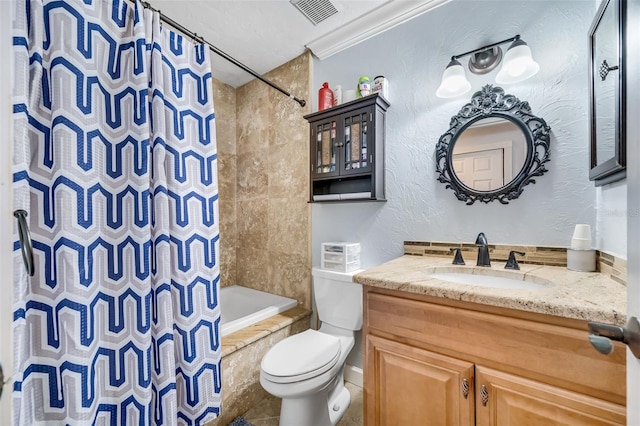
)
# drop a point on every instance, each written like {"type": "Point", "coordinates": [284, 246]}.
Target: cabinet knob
{"type": "Point", "coordinates": [465, 388]}
{"type": "Point", "coordinates": [484, 395]}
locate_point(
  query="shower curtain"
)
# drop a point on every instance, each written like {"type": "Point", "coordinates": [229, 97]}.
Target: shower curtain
{"type": "Point", "coordinates": [115, 162]}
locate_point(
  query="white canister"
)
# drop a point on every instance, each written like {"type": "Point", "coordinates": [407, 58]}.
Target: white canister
{"type": "Point", "coordinates": [381, 85]}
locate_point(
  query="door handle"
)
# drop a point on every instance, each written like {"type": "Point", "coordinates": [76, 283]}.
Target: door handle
{"type": "Point", "coordinates": [601, 335]}
{"type": "Point", "coordinates": [1, 380]}
{"type": "Point", "coordinates": [25, 241]}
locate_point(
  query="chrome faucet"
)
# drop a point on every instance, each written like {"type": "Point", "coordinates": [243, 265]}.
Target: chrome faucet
{"type": "Point", "coordinates": [483, 250]}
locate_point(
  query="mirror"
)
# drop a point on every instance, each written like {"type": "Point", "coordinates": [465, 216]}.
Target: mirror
{"type": "Point", "coordinates": [607, 103]}
{"type": "Point", "coordinates": [489, 154]}
{"type": "Point", "coordinates": [493, 148]}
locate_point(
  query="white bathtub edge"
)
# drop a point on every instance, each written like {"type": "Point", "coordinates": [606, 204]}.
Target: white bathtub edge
{"type": "Point", "coordinates": [273, 304]}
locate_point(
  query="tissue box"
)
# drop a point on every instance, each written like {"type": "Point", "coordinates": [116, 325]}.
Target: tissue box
{"type": "Point", "coordinates": [340, 257]}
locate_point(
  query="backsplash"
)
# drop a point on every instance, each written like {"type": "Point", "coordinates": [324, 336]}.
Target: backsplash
{"type": "Point", "coordinates": [613, 266]}
{"type": "Point", "coordinates": [608, 264]}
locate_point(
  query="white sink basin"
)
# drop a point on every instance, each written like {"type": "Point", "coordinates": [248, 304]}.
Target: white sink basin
{"type": "Point", "coordinates": [487, 280]}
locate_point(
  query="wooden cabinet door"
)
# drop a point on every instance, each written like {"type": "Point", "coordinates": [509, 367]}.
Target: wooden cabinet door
{"type": "Point", "coordinates": [405, 385]}
{"type": "Point", "coordinates": [512, 400]}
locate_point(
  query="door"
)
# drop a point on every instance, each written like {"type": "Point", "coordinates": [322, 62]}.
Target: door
{"type": "Point", "coordinates": [480, 170]}
{"type": "Point", "coordinates": [633, 199]}
{"type": "Point", "coordinates": [411, 386]}
{"type": "Point", "coordinates": [505, 399]}
{"type": "Point", "coordinates": [6, 218]}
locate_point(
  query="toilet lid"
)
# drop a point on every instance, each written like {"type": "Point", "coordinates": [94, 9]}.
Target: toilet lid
{"type": "Point", "coordinates": [302, 354]}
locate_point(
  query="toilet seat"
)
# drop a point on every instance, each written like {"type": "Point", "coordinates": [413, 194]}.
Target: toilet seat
{"type": "Point", "coordinates": [300, 357]}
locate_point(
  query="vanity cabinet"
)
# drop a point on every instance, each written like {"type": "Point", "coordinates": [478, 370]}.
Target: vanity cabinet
{"type": "Point", "coordinates": [434, 361]}
{"type": "Point", "coordinates": [415, 386]}
{"type": "Point", "coordinates": [514, 400]}
{"type": "Point", "coordinates": [347, 151]}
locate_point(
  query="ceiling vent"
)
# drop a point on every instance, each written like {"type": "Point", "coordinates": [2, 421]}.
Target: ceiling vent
{"type": "Point", "coordinates": [316, 10]}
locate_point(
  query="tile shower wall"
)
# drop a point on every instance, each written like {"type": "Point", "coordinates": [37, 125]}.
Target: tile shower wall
{"type": "Point", "coordinates": [272, 160]}
{"type": "Point", "coordinates": [263, 157]}
{"type": "Point", "coordinates": [224, 99]}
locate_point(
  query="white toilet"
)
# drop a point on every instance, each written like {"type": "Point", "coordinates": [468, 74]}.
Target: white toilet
{"type": "Point", "coordinates": [306, 370]}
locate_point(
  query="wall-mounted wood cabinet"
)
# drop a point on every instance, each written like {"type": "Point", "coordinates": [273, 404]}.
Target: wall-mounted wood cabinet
{"type": "Point", "coordinates": [347, 151]}
{"type": "Point", "coordinates": [434, 362]}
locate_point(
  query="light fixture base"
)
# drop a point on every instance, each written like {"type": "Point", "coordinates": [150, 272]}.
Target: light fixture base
{"type": "Point", "coordinates": [485, 61]}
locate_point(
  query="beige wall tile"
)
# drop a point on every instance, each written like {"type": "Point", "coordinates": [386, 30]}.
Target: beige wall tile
{"type": "Point", "coordinates": [288, 166]}
{"type": "Point", "coordinates": [227, 219]}
{"type": "Point", "coordinates": [253, 221]}
{"type": "Point", "coordinates": [227, 184]}
{"type": "Point", "coordinates": [289, 225]}
{"type": "Point", "coordinates": [252, 268]}
{"type": "Point", "coordinates": [273, 216]}
{"type": "Point", "coordinates": [289, 274]}
{"type": "Point", "coordinates": [224, 99]}
{"type": "Point", "coordinates": [254, 115]}
{"type": "Point", "coordinates": [253, 173]}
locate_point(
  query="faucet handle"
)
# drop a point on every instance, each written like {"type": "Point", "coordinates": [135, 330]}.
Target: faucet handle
{"type": "Point", "coordinates": [512, 263]}
{"type": "Point", "coordinates": [457, 259]}
{"type": "Point", "coordinates": [481, 239]}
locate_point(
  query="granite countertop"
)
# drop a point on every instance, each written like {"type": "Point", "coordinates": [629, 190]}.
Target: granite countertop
{"type": "Point", "coordinates": [587, 296]}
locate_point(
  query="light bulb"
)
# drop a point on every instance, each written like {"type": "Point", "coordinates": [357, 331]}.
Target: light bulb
{"type": "Point", "coordinates": [454, 82]}
{"type": "Point", "coordinates": [518, 64]}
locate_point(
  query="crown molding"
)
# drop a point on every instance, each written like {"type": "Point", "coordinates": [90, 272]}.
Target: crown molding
{"type": "Point", "coordinates": [379, 20]}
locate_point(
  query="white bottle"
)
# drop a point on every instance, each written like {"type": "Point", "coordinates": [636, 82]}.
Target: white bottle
{"type": "Point", "coordinates": [337, 95]}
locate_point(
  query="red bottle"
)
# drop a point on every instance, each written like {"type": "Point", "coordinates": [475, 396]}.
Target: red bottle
{"type": "Point", "coordinates": [325, 97]}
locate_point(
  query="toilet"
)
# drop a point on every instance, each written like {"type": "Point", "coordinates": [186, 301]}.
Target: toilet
{"type": "Point", "coordinates": [306, 370]}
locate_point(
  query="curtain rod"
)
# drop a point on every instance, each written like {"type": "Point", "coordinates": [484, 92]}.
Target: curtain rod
{"type": "Point", "coordinates": [184, 30]}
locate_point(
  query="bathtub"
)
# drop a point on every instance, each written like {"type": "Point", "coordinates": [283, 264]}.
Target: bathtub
{"type": "Point", "coordinates": [241, 306]}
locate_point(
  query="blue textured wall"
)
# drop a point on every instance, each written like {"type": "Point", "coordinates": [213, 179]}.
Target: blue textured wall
{"type": "Point", "coordinates": [413, 57]}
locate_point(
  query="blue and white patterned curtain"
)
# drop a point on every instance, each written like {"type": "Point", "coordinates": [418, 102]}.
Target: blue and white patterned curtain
{"type": "Point", "coordinates": [115, 162]}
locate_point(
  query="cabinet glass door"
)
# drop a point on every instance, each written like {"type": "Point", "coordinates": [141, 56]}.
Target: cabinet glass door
{"type": "Point", "coordinates": [357, 155]}
{"type": "Point", "coordinates": [325, 148]}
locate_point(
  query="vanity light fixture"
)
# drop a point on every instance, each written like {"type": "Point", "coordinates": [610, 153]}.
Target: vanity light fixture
{"type": "Point", "coordinates": [518, 65]}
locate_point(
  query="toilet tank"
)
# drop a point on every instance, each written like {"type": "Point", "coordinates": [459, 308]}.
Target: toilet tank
{"type": "Point", "coordinates": [338, 299]}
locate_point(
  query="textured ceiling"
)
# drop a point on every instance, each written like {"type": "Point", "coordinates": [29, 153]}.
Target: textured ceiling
{"type": "Point", "coordinates": [261, 34]}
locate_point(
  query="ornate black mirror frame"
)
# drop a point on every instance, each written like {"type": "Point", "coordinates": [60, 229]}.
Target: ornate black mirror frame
{"type": "Point", "coordinates": [488, 102]}
{"type": "Point", "coordinates": [608, 170]}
